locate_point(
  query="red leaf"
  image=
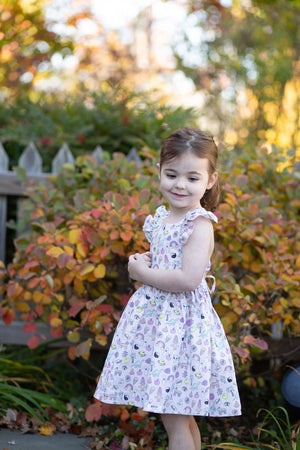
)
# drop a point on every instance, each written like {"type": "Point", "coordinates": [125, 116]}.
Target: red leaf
{"type": "Point", "coordinates": [125, 299]}
{"type": "Point", "coordinates": [56, 332]}
{"type": "Point", "coordinates": [242, 352]}
{"type": "Point", "coordinates": [63, 260]}
{"type": "Point", "coordinates": [72, 353]}
{"type": "Point", "coordinates": [33, 342]}
{"type": "Point", "coordinates": [104, 308]}
{"type": "Point", "coordinates": [93, 412]}
{"type": "Point", "coordinates": [78, 306]}
{"type": "Point", "coordinates": [30, 327]}
{"type": "Point", "coordinates": [8, 316]}
{"type": "Point", "coordinates": [137, 417]}
{"type": "Point", "coordinates": [96, 213]}
{"type": "Point", "coordinates": [31, 264]}
{"type": "Point", "coordinates": [260, 343]}
{"type": "Point", "coordinates": [39, 310]}
{"type": "Point", "coordinates": [33, 282]}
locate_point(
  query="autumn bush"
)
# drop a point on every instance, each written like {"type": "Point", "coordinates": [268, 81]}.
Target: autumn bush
{"type": "Point", "coordinates": [69, 267]}
{"type": "Point", "coordinates": [257, 247]}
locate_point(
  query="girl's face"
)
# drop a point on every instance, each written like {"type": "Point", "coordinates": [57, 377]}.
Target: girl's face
{"type": "Point", "coordinates": [184, 180]}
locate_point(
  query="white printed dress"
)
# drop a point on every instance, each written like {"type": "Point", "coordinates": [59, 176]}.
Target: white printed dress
{"type": "Point", "coordinates": [169, 353]}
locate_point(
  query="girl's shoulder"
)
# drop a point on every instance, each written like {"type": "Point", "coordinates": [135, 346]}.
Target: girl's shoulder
{"type": "Point", "coordinates": [200, 212]}
{"type": "Point", "coordinates": [190, 221]}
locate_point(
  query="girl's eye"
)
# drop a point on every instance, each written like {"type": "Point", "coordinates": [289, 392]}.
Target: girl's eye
{"type": "Point", "coordinates": [170, 175]}
{"type": "Point", "coordinates": [193, 179]}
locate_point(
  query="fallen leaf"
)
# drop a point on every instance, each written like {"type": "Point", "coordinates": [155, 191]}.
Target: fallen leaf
{"type": "Point", "coordinates": [47, 430]}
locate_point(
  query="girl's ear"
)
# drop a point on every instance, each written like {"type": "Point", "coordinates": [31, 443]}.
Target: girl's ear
{"type": "Point", "coordinates": [158, 169]}
{"type": "Point", "coordinates": [212, 179]}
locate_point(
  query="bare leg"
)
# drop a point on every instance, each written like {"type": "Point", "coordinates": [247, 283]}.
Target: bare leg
{"type": "Point", "coordinates": [195, 433]}
{"type": "Point", "coordinates": [181, 432]}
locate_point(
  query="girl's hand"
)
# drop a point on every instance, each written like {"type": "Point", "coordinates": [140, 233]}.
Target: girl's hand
{"type": "Point", "coordinates": [147, 257]}
{"type": "Point", "coordinates": [138, 264]}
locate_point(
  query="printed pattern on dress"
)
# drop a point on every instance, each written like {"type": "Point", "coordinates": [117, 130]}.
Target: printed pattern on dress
{"type": "Point", "coordinates": [169, 353]}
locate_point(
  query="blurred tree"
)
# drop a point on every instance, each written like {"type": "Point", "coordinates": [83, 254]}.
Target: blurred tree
{"type": "Point", "coordinates": [246, 60]}
{"type": "Point", "coordinates": [26, 44]}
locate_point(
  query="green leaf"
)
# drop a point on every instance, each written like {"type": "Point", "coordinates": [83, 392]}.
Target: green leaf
{"type": "Point", "coordinates": [21, 174]}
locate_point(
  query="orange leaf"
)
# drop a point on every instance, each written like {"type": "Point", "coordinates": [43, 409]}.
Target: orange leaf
{"type": "Point", "coordinates": [30, 327]}
{"type": "Point", "coordinates": [33, 342]}
{"type": "Point", "coordinates": [114, 235]}
{"type": "Point", "coordinates": [136, 416]}
{"type": "Point", "coordinates": [124, 415]}
{"type": "Point", "coordinates": [127, 235]}
{"type": "Point", "coordinates": [72, 353]}
{"type": "Point", "coordinates": [93, 412]}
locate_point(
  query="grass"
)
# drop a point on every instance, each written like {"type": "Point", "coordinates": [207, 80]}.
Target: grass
{"type": "Point", "coordinates": [276, 428]}
{"type": "Point", "coordinates": [26, 386]}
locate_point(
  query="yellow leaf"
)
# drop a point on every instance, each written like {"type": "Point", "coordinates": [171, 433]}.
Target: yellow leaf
{"type": "Point", "coordinates": [68, 250]}
{"type": "Point", "coordinates": [60, 297]}
{"type": "Point", "coordinates": [45, 300]}
{"type": "Point", "coordinates": [55, 252]}
{"type": "Point", "coordinates": [296, 302]}
{"type": "Point", "coordinates": [255, 267]}
{"type": "Point", "coordinates": [74, 236]}
{"type": "Point", "coordinates": [56, 322]}
{"type": "Point", "coordinates": [37, 296]}
{"type": "Point", "coordinates": [47, 430]}
{"type": "Point", "coordinates": [99, 272]}
{"type": "Point", "coordinates": [82, 249]}
{"type": "Point", "coordinates": [78, 286]}
{"type": "Point", "coordinates": [101, 339]}
{"type": "Point", "coordinates": [22, 306]}
{"type": "Point", "coordinates": [85, 269]}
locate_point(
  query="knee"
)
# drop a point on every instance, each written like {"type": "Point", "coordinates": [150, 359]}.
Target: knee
{"type": "Point", "coordinates": [174, 422]}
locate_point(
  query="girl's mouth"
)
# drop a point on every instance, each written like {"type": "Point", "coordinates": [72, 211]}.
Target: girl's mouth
{"type": "Point", "coordinates": [178, 195]}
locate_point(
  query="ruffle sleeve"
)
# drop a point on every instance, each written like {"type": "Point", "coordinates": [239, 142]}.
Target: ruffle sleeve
{"type": "Point", "coordinates": [152, 222]}
{"type": "Point", "coordinates": [188, 225]}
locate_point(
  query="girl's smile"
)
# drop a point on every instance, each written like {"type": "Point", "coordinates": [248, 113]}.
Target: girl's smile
{"type": "Point", "coordinates": [184, 180]}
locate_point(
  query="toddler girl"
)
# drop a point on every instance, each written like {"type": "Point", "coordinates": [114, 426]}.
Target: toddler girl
{"type": "Point", "coordinates": [169, 354]}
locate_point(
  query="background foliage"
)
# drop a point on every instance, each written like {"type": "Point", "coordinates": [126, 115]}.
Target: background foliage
{"type": "Point", "coordinates": [68, 269]}
{"type": "Point", "coordinates": [114, 118]}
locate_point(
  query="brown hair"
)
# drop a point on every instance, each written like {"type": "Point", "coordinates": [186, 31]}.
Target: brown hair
{"type": "Point", "coordinates": [200, 144]}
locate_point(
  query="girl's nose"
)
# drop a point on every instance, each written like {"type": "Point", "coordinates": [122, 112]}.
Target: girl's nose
{"type": "Point", "coordinates": [180, 183]}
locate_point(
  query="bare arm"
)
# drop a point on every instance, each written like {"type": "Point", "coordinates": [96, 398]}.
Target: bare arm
{"type": "Point", "coordinates": [196, 254]}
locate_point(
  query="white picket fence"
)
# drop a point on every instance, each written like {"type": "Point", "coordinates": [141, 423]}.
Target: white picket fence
{"type": "Point", "coordinates": [31, 162]}
{"type": "Point", "coordinates": [10, 185]}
